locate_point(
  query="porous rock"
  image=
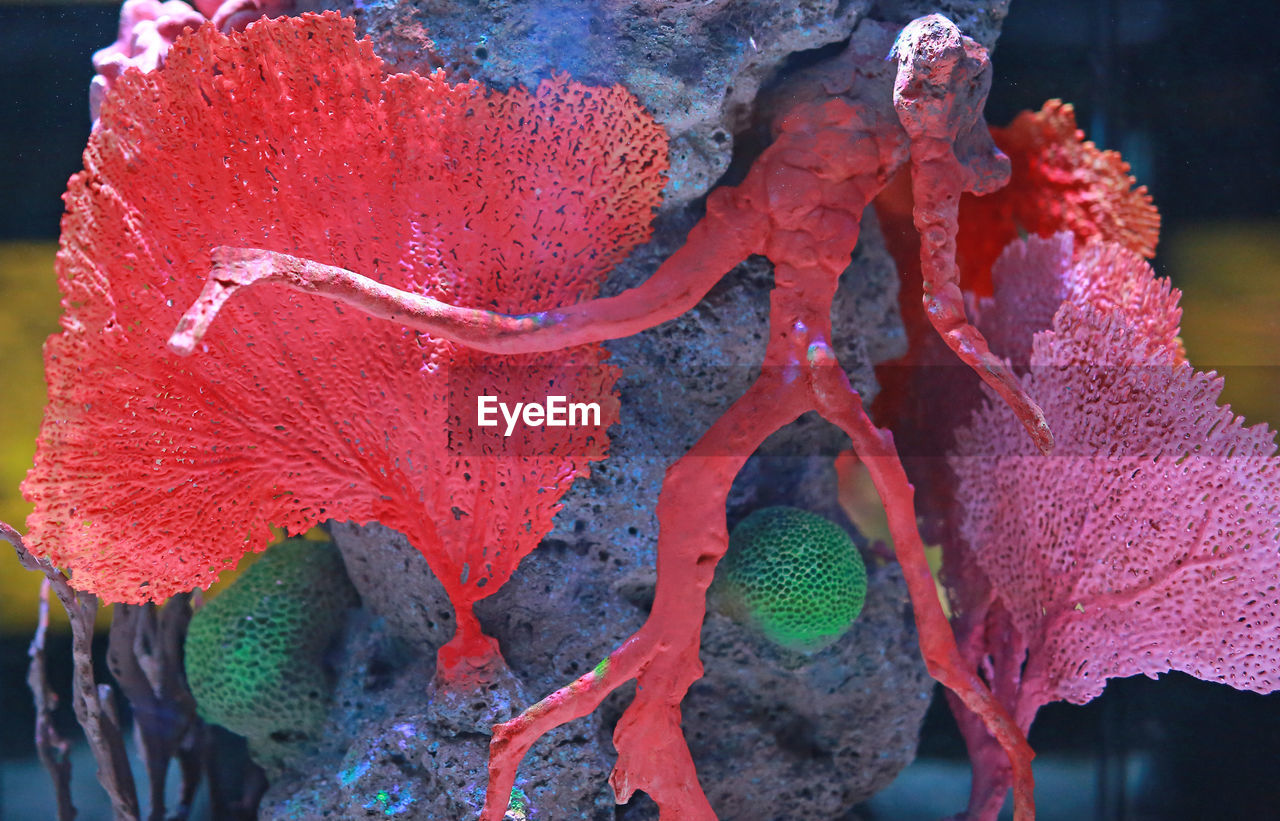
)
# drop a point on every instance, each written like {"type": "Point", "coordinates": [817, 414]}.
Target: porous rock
{"type": "Point", "coordinates": [696, 65]}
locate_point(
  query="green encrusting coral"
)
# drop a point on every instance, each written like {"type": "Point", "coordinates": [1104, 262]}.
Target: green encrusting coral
{"type": "Point", "coordinates": [794, 575]}
{"type": "Point", "coordinates": [254, 653]}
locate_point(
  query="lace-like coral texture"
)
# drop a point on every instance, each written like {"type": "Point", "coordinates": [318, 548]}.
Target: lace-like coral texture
{"type": "Point", "coordinates": [154, 473]}
{"type": "Point", "coordinates": [1150, 539]}
{"type": "Point", "coordinates": [148, 29]}
{"type": "Point", "coordinates": [1147, 542]}
{"type": "Point", "coordinates": [1033, 277]}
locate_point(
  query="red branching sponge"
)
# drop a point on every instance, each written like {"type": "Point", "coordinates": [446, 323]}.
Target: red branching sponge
{"type": "Point", "coordinates": [1146, 542]}
{"type": "Point", "coordinates": [1060, 182]}
{"type": "Point", "coordinates": [153, 473]}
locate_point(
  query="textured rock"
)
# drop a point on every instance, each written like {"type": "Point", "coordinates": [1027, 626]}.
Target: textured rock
{"type": "Point", "coordinates": [387, 750]}
{"type": "Point", "coordinates": [403, 767]}
{"type": "Point", "coordinates": [695, 65]}
{"type": "Point", "coordinates": [779, 735]}
{"type": "Point", "coordinates": [395, 583]}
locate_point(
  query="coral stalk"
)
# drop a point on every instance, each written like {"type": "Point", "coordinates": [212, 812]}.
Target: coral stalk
{"type": "Point", "coordinates": [93, 703]}
{"type": "Point", "coordinates": [940, 136]}
{"type": "Point", "coordinates": [714, 246]}
{"type": "Point", "coordinates": [54, 750]}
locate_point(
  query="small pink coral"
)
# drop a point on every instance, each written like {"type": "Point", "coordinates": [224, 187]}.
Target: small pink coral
{"type": "Point", "coordinates": [1033, 277]}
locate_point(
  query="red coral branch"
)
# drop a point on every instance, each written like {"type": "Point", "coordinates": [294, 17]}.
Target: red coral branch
{"type": "Point", "coordinates": [714, 246]}
{"type": "Point", "coordinates": [940, 136]}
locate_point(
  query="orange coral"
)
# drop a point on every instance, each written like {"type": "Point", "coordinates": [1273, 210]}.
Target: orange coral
{"type": "Point", "coordinates": [1060, 182]}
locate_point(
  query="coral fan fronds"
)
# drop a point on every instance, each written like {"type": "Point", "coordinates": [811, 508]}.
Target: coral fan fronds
{"type": "Point", "coordinates": [153, 474]}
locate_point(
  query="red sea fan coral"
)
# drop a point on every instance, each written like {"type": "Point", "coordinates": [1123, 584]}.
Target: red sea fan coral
{"type": "Point", "coordinates": [1060, 182]}
{"type": "Point", "coordinates": [154, 473]}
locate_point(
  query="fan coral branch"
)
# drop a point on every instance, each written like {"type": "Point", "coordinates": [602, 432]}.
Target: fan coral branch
{"type": "Point", "coordinates": [93, 703]}
{"type": "Point", "coordinates": [941, 134]}
{"type": "Point", "coordinates": [714, 247]}
{"type": "Point", "coordinates": [54, 750]}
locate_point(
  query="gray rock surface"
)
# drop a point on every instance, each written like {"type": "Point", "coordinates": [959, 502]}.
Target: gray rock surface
{"type": "Point", "coordinates": [780, 735]}
{"type": "Point", "coordinates": [696, 65]}
{"type": "Point", "coordinates": [387, 750]}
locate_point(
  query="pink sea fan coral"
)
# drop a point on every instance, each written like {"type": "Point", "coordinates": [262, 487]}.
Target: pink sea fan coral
{"type": "Point", "coordinates": [1033, 277]}
{"type": "Point", "coordinates": [1149, 541]}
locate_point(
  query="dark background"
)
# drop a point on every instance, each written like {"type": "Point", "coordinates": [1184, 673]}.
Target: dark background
{"type": "Point", "coordinates": [1186, 90]}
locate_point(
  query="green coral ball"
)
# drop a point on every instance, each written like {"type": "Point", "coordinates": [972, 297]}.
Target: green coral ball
{"type": "Point", "coordinates": [794, 575]}
{"type": "Point", "coordinates": [254, 653]}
